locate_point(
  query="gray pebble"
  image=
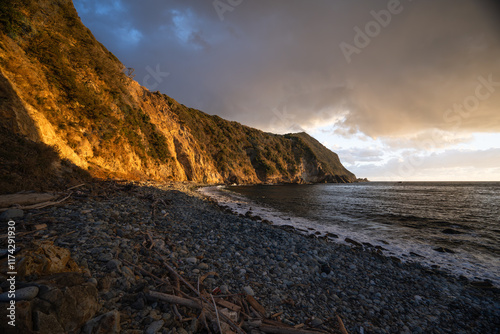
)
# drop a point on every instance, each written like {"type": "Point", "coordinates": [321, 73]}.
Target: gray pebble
{"type": "Point", "coordinates": [114, 265]}
{"type": "Point", "coordinates": [316, 322]}
{"type": "Point", "coordinates": [203, 266]}
{"type": "Point", "coordinates": [93, 281]}
{"type": "Point", "coordinates": [105, 257]}
{"type": "Point", "coordinates": [248, 290]}
{"type": "Point", "coordinates": [11, 214]}
{"type": "Point", "coordinates": [224, 289]}
{"type": "Point", "coordinates": [27, 293]}
{"type": "Point", "coordinates": [154, 327]}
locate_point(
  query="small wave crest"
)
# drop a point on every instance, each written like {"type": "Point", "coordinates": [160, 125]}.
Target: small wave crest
{"type": "Point", "coordinates": [380, 236]}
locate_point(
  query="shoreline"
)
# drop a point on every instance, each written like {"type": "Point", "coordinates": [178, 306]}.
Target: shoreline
{"type": "Point", "coordinates": [240, 205]}
{"type": "Point", "coordinates": [303, 277]}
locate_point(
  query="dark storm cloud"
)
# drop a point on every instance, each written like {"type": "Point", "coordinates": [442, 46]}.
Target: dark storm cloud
{"type": "Point", "coordinates": [410, 66]}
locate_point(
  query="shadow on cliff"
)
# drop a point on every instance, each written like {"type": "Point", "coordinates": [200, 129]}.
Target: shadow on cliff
{"type": "Point", "coordinates": [25, 162]}
{"type": "Point", "coordinates": [27, 165]}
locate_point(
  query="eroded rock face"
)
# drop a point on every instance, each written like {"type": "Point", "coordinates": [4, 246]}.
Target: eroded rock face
{"type": "Point", "coordinates": [102, 120]}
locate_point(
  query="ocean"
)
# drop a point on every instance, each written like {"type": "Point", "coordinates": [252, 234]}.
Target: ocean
{"type": "Point", "coordinates": [454, 226]}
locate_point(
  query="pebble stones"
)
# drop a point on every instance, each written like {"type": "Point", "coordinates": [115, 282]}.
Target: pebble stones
{"type": "Point", "coordinates": [113, 265]}
{"type": "Point", "coordinates": [154, 327]}
{"type": "Point", "coordinates": [27, 293]}
{"type": "Point", "coordinates": [248, 290]}
{"type": "Point", "coordinates": [316, 322]}
{"type": "Point", "coordinates": [203, 266]}
{"type": "Point", "coordinates": [105, 257]}
{"type": "Point", "coordinates": [11, 214]}
{"type": "Point", "coordinates": [287, 272]}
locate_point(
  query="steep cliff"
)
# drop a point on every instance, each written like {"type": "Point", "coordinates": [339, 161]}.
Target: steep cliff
{"type": "Point", "coordinates": [62, 87]}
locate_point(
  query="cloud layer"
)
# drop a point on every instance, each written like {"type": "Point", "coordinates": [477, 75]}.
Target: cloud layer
{"type": "Point", "coordinates": [282, 65]}
{"type": "Point", "coordinates": [449, 165]}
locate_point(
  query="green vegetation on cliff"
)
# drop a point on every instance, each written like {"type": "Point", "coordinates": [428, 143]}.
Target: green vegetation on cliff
{"type": "Point", "coordinates": [71, 93]}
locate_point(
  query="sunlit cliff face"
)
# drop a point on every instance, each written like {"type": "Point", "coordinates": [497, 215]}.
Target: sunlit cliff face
{"type": "Point", "coordinates": [400, 89]}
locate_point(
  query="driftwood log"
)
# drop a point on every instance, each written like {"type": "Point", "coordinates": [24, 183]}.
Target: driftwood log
{"type": "Point", "coordinates": [227, 314]}
{"type": "Point", "coordinates": [175, 300]}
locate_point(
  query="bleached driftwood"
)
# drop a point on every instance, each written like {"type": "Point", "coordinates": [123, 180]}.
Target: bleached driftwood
{"type": "Point", "coordinates": [176, 300]}
{"type": "Point", "coordinates": [20, 200]}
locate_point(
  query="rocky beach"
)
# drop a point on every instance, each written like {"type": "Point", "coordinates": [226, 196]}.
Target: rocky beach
{"type": "Point", "coordinates": [121, 235]}
{"type": "Point", "coordinates": [124, 242]}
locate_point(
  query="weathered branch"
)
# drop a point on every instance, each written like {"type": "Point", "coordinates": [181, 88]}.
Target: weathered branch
{"type": "Point", "coordinates": [341, 325]}
{"type": "Point", "coordinates": [175, 300]}
{"type": "Point", "coordinates": [226, 319]}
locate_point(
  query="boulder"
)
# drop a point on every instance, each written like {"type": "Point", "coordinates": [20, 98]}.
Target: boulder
{"type": "Point", "coordinates": [45, 259]}
{"type": "Point", "coordinates": [46, 323]}
{"type": "Point", "coordinates": [23, 318]}
{"type": "Point", "coordinates": [73, 300]}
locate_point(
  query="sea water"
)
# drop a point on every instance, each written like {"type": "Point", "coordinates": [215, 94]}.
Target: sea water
{"type": "Point", "coordinates": [451, 225]}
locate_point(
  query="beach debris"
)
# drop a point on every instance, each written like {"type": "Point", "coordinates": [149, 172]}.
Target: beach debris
{"type": "Point", "coordinates": [225, 313]}
{"type": "Point", "coordinates": [341, 325]}
{"type": "Point", "coordinates": [25, 199]}
{"type": "Point", "coordinates": [12, 205]}
{"type": "Point", "coordinates": [60, 299]}
{"type": "Point", "coordinates": [38, 205]}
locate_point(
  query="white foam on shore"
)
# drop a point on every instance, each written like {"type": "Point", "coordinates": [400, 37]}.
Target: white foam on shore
{"type": "Point", "coordinates": [461, 263]}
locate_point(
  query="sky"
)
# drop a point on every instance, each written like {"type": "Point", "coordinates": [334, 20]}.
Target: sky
{"type": "Point", "coordinates": [401, 90]}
